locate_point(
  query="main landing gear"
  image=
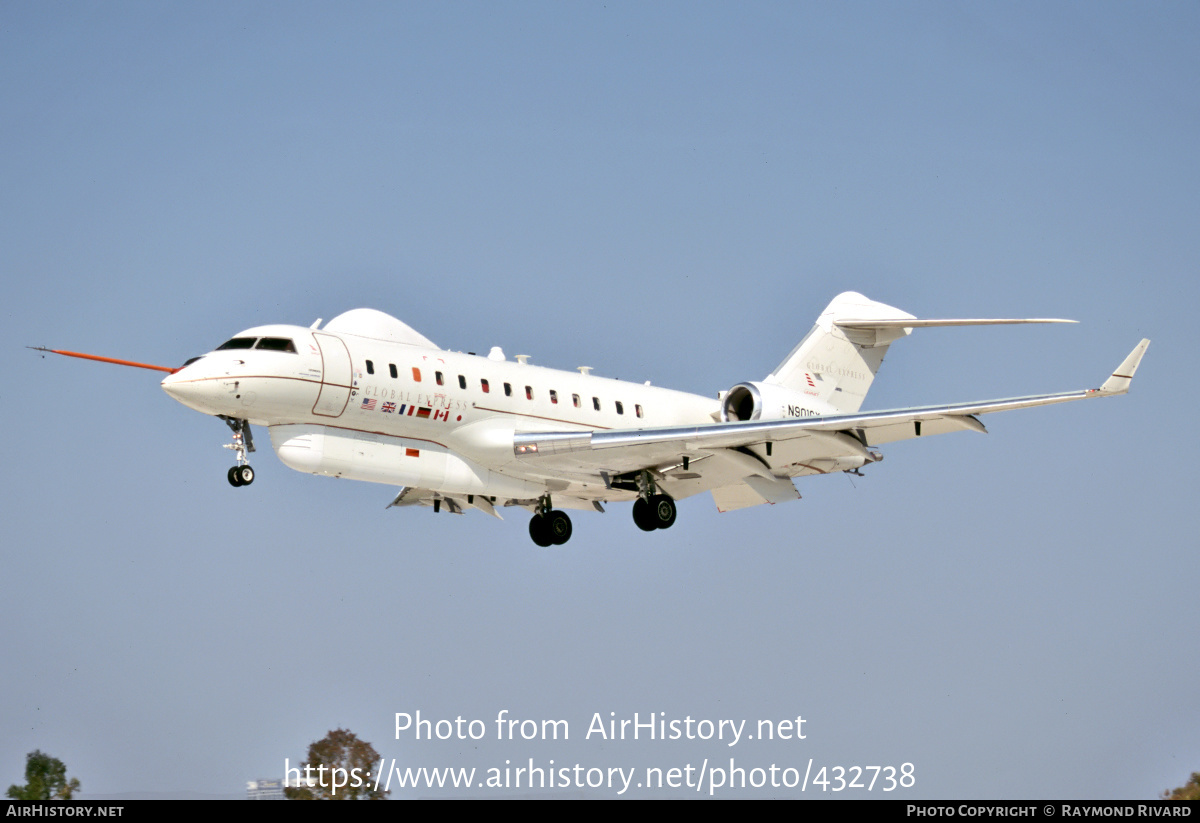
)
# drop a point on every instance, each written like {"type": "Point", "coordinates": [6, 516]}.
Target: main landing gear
{"type": "Point", "coordinates": [652, 510]}
{"type": "Point", "coordinates": [241, 474]}
{"type": "Point", "coordinates": [656, 512]}
{"type": "Point", "coordinates": [549, 527]}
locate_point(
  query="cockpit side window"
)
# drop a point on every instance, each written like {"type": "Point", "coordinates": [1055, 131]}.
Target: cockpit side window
{"type": "Point", "coordinates": [276, 344]}
{"type": "Point", "coordinates": [237, 343]}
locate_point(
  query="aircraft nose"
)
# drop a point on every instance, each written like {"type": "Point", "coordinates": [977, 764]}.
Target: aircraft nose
{"type": "Point", "coordinates": [180, 387]}
{"type": "Point", "coordinates": [192, 390]}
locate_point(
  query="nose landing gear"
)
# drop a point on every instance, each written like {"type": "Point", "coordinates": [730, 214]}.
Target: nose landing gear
{"type": "Point", "coordinates": [243, 441]}
{"type": "Point", "coordinates": [241, 476]}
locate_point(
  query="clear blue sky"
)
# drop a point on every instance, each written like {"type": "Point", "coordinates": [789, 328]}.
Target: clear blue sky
{"type": "Point", "coordinates": [666, 192]}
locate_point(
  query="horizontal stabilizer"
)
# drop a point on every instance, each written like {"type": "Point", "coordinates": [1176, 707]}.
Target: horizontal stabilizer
{"type": "Point", "coordinates": [914, 323]}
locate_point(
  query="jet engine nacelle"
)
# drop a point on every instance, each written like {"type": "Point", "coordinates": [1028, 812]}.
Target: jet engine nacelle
{"type": "Point", "coordinates": [765, 401]}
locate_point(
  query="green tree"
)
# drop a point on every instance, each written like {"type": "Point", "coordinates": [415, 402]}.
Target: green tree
{"type": "Point", "coordinates": [1188, 791]}
{"type": "Point", "coordinates": [339, 767]}
{"type": "Point", "coordinates": [45, 779]}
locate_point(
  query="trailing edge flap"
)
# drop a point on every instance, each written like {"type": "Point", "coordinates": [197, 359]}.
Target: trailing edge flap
{"type": "Point", "coordinates": [871, 428]}
{"type": "Point", "coordinates": [754, 491]}
{"type": "Point", "coordinates": [410, 496]}
{"type": "Point", "coordinates": [773, 490]}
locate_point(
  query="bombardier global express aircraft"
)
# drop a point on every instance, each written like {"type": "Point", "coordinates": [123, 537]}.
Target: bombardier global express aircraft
{"type": "Point", "coordinates": [368, 398]}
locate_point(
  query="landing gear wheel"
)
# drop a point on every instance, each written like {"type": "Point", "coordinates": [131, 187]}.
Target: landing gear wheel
{"type": "Point", "coordinates": [558, 526]}
{"type": "Point", "coordinates": [539, 531]}
{"type": "Point", "coordinates": [643, 515]}
{"type": "Point", "coordinates": [663, 511]}
{"type": "Point", "coordinates": [246, 476]}
{"type": "Point", "coordinates": [234, 476]}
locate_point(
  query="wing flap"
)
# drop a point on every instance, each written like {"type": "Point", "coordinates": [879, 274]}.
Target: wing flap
{"type": "Point", "coordinates": [754, 491]}
{"type": "Point", "coordinates": [739, 496]}
{"type": "Point", "coordinates": [455, 504]}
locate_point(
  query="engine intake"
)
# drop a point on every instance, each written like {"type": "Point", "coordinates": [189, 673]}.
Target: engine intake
{"type": "Point", "coordinates": [764, 401]}
{"type": "Point", "coordinates": [743, 402]}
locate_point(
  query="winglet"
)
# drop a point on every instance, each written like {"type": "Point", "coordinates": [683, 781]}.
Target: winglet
{"type": "Point", "coordinates": [1123, 376]}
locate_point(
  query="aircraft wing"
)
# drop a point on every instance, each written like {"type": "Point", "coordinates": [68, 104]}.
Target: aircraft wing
{"type": "Point", "coordinates": [752, 462]}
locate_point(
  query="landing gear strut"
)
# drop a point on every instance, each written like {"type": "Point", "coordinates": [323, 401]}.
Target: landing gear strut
{"type": "Point", "coordinates": [243, 441]}
{"type": "Point", "coordinates": [549, 527]}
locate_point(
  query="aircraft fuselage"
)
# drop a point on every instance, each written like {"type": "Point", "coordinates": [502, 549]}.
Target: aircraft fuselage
{"type": "Point", "coordinates": [389, 412]}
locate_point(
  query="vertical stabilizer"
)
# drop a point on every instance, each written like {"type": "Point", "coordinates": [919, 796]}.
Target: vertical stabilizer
{"type": "Point", "coordinates": [841, 362]}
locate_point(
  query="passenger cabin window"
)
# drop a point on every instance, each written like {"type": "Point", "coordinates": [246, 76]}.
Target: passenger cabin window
{"type": "Point", "coordinates": [620, 408]}
{"type": "Point", "coordinates": [370, 367]}
{"type": "Point", "coordinates": [483, 384]}
{"type": "Point", "coordinates": [596, 403]}
{"type": "Point", "coordinates": [237, 343]}
{"type": "Point", "coordinates": [416, 374]}
{"type": "Point", "coordinates": [392, 369]}
{"type": "Point", "coordinates": [441, 381]}
{"type": "Point", "coordinates": [508, 389]}
{"type": "Point", "coordinates": [575, 400]}
{"type": "Point", "coordinates": [462, 382]}
{"type": "Point", "coordinates": [276, 344]}
{"type": "Point", "coordinates": [529, 392]}
{"type": "Point", "coordinates": [637, 408]}
{"type": "Point", "coordinates": [553, 396]}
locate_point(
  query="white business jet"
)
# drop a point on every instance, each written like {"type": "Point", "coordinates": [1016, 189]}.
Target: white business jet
{"type": "Point", "coordinates": [368, 398]}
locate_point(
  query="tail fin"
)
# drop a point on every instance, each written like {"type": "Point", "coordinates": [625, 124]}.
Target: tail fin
{"type": "Point", "coordinates": [837, 361]}
{"type": "Point", "coordinates": [839, 358]}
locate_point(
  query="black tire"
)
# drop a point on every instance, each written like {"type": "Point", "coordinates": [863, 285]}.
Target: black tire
{"type": "Point", "coordinates": [558, 526]}
{"type": "Point", "coordinates": [663, 511]}
{"type": "Point", "coordinates": [234, 477]}
{"type": "Point", "coordinates": [539, 531]}
{"type": "Point", "coordinates": [246, 475]}
{"type": "Point", "coordinates": [643, 515]}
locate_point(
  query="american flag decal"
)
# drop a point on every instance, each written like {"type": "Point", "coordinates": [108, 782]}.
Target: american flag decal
{"type": "Point", "coordinates": [388, 407]}
{"type": "Point", "coordinates": [369, 405]}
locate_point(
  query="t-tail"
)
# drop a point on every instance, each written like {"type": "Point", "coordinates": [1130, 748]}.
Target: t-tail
{"type": "Point", "coordinates": [840, 357]}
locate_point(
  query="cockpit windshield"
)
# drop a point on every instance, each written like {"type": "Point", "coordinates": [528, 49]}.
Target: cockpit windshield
{"type": "Point", "coordinates": [237, 343]}
{"type": "Point", "coordinates": [264, 344]}
{"type": "Point", "coordinates": [276, 344]}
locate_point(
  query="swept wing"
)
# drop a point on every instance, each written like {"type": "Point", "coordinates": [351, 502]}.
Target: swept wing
{"type": "Point", "coordinates": [756, 459]}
